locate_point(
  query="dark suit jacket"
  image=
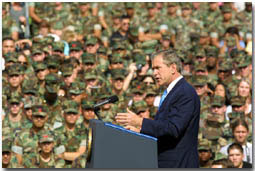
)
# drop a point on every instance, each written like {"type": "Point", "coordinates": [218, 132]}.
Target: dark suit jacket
{"type": "Point", "coordinates": [176, 126]}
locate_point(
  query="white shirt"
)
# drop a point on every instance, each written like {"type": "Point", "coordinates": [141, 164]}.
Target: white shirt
{"type": "Point", "coordinates": [173, 83]}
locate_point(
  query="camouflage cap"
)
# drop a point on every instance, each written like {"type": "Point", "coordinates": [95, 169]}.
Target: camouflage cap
{"type": "Point", "coordinates": [204, 34]}
{"type": "Point", "coordinates": [150, 5]}
{"type": "Point", "coordinates": [39, 110]}
{"type": "Point", "coordinates": [91, 41]}
{"type": "Point", "coordinates": [217, 101]}
{"type": "Point", "coordinates": [58, 46]}
{"type": "Point", "coordinates": [87, 104]}
{"type": "Point", "coordinates": [118, 46]}
{"type": "Point", "coordinates": [53, 62]}
{"type": "Point", "coordinates": [52, 83]}
{"type": "Point", "coordinates": [204, 144]}
{"type": "Point", "coordinates": [67, 71]}
{"type": "Point", "coordinates": [224, 66]}
{"type": "Point", "coordinates": [186, 5]}
{"type": "Point", "coordinates": [129, 4]}
{"type": "Point", "coordinates": [201, 67]}
{"type": "Point", "coordinates": [172, 4]}
{"type": "Point", "coordinates": [46, 136]}
{"type": "Point", "coordinates": [36, 51]}
{"type": "Point", "coordinates": [212, 54]}
{"type": "Point", "coordinates": [139, 106]}
{"type": "Point", "coordinates": [70, 106]}
{"type": "Point", "coordinates": [7, 145]}
{"type": "Point", "coordinates": [115, 58]}
{"type": "Point", "coordinates": [166, 37]}
{"type": "Point", "coordinates": [140, 58]}
{"type": "Point", "coordinates": [199, 80]}
{"type": "Point", "coordinates": [137, 90]}
{"type": "Point", "coordinates": [237, 101]}
{"type": "Point", "coordinates": [226, 9]}
{"type": "Point", "coordinates": [149, 46]}
{"type": "Point", "coordinates": [90, 76]}
{"type": "Point", "coordinates": [235, 114]}
{"type": "Point", "coordinates": [39, 66]}
{"type": "Point", "coordinates": [10, 58]}
{"type": "Point", "coordinates": [57, 25]}
{"type": "Point", "coordinates": [151, 91]}
{"type": "Point", "coordinates": [200, 52]}
{"type": "Point", "coordinates": [88, 58]}
{"type": "Point", "coordinates": [75, 45]}
{"type": "Point", "coordinates": [30, 101]}
{"type": "Point", "coordinates": [15, 98]}
{"type": "Point", "coordinates": [244, 63]}
{"type": "Point", "coordinates": [102, 50]}
{"type": "Point", "coordinates": [76, 88]}
{"type": "Point", "coordinates": [14, 69]}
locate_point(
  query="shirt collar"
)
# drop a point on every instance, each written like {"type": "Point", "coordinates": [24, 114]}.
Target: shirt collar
{"type": "Point", "coordinates": [172, 84]}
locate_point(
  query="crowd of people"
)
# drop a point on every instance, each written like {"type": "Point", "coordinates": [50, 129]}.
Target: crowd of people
{"type": "Point", "coordinates": [59, 59]}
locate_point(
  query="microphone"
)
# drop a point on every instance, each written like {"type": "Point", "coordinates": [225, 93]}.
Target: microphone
{"type": "Point", "coordinates": [111, 99]}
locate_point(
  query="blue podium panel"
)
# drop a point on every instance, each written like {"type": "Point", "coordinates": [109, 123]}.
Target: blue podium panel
{"type": "Point", "coordinates": [115, 147]}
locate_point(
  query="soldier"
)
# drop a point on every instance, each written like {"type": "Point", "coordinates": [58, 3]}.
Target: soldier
{"type": "Point", "coordinates": [8, 158]}
{"type": "Point", "coordinates": [51, 98]}
{"type": "Point", "coordinates": [15, 79]}
{"type": "Point", "coordinates": [76, 50]}
{"type": "Point", "coordinates": [45, 158]}
{"type": "Point", "coordinates": [27, 140]}
{"type": "Point", "coordinates": [150, 99]}
{"type": "Point", "coordinates": [91, 44]}
{"type": "Point", "coordinates": [72, 137]}
{"type": "Point", "coordinates": [141, 109]}
{"type": "Point", "coordinates": [205, 153]}
{"type": "Point", "coordinates": [87, 112]}
{"type": "Point", "coordinates": [15, 119]}
{"type": "Point", "coordinates": [41, 71]}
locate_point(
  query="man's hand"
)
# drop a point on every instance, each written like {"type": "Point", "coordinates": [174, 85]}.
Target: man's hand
{"type": "Point", "coordinates": [132, 128]}
{"type": "Point", "coordinates": [129, 119]}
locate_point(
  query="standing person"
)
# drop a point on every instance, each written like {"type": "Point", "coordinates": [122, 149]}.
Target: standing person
{"type": "Point", "coordinates": [177, 120]}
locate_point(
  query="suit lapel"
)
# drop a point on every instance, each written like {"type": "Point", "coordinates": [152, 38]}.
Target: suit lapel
{"type": "Point", "coordinates": [168, 97]}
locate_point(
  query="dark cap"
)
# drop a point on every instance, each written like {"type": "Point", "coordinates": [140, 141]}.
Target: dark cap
{"type": "Point", "coordinates": [217, 101]}
{"type": "Point", "coordinates": [39, 110]}
{"type": "Point", "coordinates": [70, 106]}
{"type": "Point", "coordinates": [87, 104]}
{"type": "Point", "coordinates": [237, 101]}
{"type": "Point", "coordinates": [46, 136]}
{"type": "Point", "coordinates": [75, 45]}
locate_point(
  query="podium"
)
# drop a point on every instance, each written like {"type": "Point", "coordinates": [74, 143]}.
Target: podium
{"type": "Point", "coordinates": [112, 146]}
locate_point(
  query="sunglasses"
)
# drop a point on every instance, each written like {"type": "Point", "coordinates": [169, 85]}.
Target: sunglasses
{"type": "Point", "coordinates": [38, 117]}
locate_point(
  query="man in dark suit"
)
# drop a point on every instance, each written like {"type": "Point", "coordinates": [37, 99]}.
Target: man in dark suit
{"type": "Point", "coordinates": [176, 123]}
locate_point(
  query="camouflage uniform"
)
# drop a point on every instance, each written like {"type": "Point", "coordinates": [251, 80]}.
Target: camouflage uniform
{"type": "Point", "coordinates": [71, 140]}
{"type": "Point", "coordinates": [26, 143]}
{"type": "Point", "coordinates": [205, 145]}
{"type": "Point", "coordinates": [35, 161]}
{"type": "Point", "coordinates": [9, 25]}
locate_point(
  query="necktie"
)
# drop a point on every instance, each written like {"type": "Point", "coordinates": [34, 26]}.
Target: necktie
{"type": "Point", "coordinates": [162, 98]}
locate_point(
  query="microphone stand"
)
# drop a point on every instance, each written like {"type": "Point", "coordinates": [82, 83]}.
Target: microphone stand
{"type": "Point", "coordinates": [96, 110]}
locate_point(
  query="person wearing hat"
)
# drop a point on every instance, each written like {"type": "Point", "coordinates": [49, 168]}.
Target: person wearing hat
{"type": "Point", "coordinates": [76, 91]}
{"type": "Point", "coordinates": [245, 67]}
{"type": "Point", "coordinates": [45, 157]}
{"type": "Point", "coordinates": [71, 136]}
{"type": "Point", "coordinates": [91, 45]}
{"type": "Point", "coordinates": [89, 61]}
{"type": "Point", "coordinates": [76, 49]}
{"type": "Point", "coordinates": [141, 109]}
{"type": "Point", "coordinates": [58, 48]}
{"type": "Point", "coordinates": [53, 63]}
{"type": "Point", "coordinates": [37, 55]}
{"type": "Point", "coordinates": [201, 69]}
{"type": "Point", "coordinates": [211, 61]}
{"type": "Point", "coordinates": [26, 141]}
{"type": "Point", "coordinates": [224, 74]}
{"type": "Point", "coordinates": [8, 157]}
{"type": "Point", "coordinates": [150, 98]}
{"type": "Point", "coordinates": [88, 113]}
{"type": "Point", "coordinates": [15, 78]}
{"type": "Point", "coordinates": [116, 62]}
{"type": "Point", "coordinates": [41, 71]}
{"type": "Point", "coordinates": [15, 119]}
{"type": "Point", "coordinates": [205, 153]}
{"type": "Point", "coordinates": [51, 98]}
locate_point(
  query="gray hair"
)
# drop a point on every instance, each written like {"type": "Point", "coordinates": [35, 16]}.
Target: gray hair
{"type": "Point", "coordinates": [169, 57]}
